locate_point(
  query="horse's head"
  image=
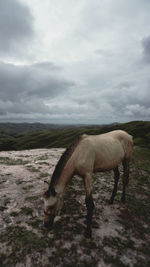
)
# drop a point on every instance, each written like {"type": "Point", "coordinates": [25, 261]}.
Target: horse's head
{"type": "Point", "coordinates": [53, 203]}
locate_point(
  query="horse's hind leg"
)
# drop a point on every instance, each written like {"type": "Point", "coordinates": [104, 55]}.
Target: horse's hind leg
{"type": "Point", "coordinates": [125, 164]}
{"type": "Point", "coordinates": [90, 207]}
{"type": "Point", "coordinates": [89, 204]}
{"type": "Point", "coordinates": [116, 177]}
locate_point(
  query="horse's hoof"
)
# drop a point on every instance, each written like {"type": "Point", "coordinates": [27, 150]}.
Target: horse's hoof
{"type": "Point", "coordinates": [88, 233]}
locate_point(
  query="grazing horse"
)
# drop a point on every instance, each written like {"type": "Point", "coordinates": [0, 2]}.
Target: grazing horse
{"type": "Point", "coordinates": [88, 154]}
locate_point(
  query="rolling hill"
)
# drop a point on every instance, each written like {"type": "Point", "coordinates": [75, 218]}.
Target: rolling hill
{"type": "Point", "coordinates": [22, 136]}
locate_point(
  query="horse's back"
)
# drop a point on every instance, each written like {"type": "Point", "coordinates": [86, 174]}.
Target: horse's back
{"type": "Point", "coordinates": [104, 151]}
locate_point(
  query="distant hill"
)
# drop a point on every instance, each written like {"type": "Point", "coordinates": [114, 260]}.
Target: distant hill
{"type": "Point", "coordinates": [15, 129]}
{"type": "Point", "coordinates": [19, 136]}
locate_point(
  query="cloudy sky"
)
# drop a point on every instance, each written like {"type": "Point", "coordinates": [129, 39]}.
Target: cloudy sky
{"type": "Point", "coordinates": [74, 61]}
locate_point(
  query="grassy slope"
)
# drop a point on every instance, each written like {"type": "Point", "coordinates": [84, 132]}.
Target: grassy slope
{"type": "Point", "coordinates": [62, 137]}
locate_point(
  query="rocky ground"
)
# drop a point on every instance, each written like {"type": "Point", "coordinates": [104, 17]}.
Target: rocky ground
{"type": "Point", "coordinates": [121, 237]}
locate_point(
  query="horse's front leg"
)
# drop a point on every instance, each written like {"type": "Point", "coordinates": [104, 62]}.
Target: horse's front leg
{"type": "Point", "coordinates": [89, 204]}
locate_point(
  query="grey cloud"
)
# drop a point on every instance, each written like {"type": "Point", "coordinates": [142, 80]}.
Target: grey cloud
{"type": "Point", "coordinates": [26, 89]}
{"type": "Point", "coordinates": [128, 98]}
{"type": "Point", "coordinates": [146, 48]}
{"type": "Point", "coordinates": [2, 112]}
{"type": "Point", "coordinates": [102, 52]}
{"type": "Point", "coordinates": [137, 110]}
{"type": "Point", "coordinates": [110, 86]}
{"type": "Point", "coordinates": [46, 66]}
{"type": "Point", "coordinates": [124, 102]}
{"type": "Point", "coordinates": [23, 82]}
{"type": "Point", "coordinates": [16, 26]}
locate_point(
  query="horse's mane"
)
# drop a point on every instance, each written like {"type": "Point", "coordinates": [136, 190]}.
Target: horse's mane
{"type": "Point", "coordinates": [63, 160]}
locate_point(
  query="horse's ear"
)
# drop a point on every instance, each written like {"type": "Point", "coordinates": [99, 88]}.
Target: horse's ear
{"type": "Point", "coordinates": [46, 186]}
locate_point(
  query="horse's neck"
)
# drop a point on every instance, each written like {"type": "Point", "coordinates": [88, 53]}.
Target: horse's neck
{"type": "Point", "coordinates": [64, 179]}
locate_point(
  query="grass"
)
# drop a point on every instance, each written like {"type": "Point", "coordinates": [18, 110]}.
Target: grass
{"type": "Point", "coordinates": [28, 187]}
{"type": "Point", "coordinates": [22, 242]}
{"type": "Point", "coordinates": [65, 245]}
{"type": "Point", "coordinates": [2, 208]}
{"type": "Point", "coordinates": [32, 198]}
{"type": "Point", "coordinates": [141, 159]}
{"type": "Point", "coordinates": [43, 157]}
{"type": "Point", "coordinates": [32, 169]}
{"type": "Point", "coordinates": [26, 210]}
{"type": "Point", "coordinates": [14, 213]}
{"type": "Point", "coordinates": [117, 242]}
{"type": "Point", "coordinates": [18, 182]}
{"type": "Point", "coordinates": [9, 161]}
{"type": "Point", "coordinates": [44, 174]}
{"type": "Point", "coordinates": [35, 223]}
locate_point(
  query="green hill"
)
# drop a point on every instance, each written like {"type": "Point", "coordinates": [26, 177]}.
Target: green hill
{"type": "Point", "coordinates": [19, 137]}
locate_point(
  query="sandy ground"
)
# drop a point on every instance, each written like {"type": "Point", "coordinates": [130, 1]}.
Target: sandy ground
{"type": "Point", "coordinates": [22, 174]}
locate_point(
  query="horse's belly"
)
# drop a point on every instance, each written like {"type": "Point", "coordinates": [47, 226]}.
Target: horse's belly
{"type": "Point", "coordinates": [106, 167]}
{"type": "Point", "coordinates": [108, 159]}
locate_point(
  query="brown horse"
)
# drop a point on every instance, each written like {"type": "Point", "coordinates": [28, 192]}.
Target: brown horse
{"type": "Point", "coordinates": [89, 153]}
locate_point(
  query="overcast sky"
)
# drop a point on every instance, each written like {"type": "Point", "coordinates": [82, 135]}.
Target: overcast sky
{"type": "Point", "coordinates": [74, 61]}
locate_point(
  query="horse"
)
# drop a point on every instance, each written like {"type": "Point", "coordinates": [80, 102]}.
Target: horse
{"type": "Point", "coordinates": [88, 154]}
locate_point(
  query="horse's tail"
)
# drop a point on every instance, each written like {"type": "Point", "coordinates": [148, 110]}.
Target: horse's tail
{"type": "Point", "coordinates": [127, 143]}
{"type": "Point", "coordinates": [129, 147]}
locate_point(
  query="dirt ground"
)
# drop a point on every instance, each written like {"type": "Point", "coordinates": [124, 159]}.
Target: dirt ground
{"type": "Point", "coordinates": [120, 237]}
